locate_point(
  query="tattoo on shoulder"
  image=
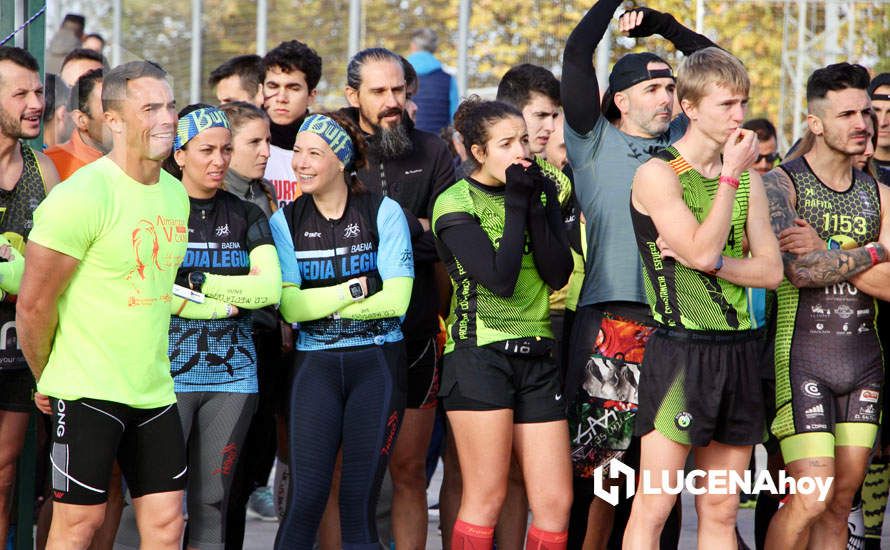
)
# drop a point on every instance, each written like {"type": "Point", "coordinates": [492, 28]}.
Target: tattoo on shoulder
{"type": "Point", "coordinates": [816, 269]}
{"type": "Point", "coordinates": [782, 214]}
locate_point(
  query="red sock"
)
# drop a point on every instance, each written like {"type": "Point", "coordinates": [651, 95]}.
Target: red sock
{"type": "Point", "coordinates": [546, 540]}
{"type": "Point", "coordinates": [472, 537]}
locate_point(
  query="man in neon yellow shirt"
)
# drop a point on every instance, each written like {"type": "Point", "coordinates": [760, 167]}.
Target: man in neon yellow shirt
{"type": "Point", "coordinates": [102, 261]}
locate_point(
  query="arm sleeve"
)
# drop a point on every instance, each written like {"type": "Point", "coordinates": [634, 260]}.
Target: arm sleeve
{"type": "Point", "coordinates": [260, 288]}
{"type": "Point", "coordinates": [550, 246]}
{"type": "Point", "coordinates": [392, 301]}
{"type": "Point", "coordinates": [684, 39]}
{"type": "Point", "coordinates": [298, 304]}
{"type": "Point", "coordinates": [11, 271]}
{"type": "Point", "coordinates": [467, 242]}
{"type": "Point", "coordinates": [69, 218]}
{"type": "Point", "coordinates": [582, 110]}
{"type": "Point", "coordinates": [395, 264]}
{"type": "Point", "coordinates": [210, 309]}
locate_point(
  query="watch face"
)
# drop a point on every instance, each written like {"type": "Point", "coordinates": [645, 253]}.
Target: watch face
{"type": "Point", "coordinates": [355, 289]}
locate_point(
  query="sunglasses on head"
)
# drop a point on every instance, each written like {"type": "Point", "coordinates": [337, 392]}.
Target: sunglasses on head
{"type": "Point", "coordinates": [770, 158]}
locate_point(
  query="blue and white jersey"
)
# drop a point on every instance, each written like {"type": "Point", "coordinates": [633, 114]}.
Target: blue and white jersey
{"type": "Point", "coordinates": [371, 239]}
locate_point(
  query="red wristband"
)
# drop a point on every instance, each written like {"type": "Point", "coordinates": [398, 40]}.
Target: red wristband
{"type": "Point", "coordinates": [732, 182]}
{"type": "Point", "coordinates": [875, 259]}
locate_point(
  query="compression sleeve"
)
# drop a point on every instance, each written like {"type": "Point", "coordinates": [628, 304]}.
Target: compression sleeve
{"type": "Point", "coordinates": [11, 271]}
{"type": "Point", "coordinates": [298, 305]}
{"type": "Point", "coordinates": [582, 110]}
{"type": "Point", "coordinates": [260, 288]}
{"type": "Point", "coordinates": [550, 245]}
{"type": "Point", "coordinates": [498, 270]}
{"type": "Point", "coordinates": [395, 263]}
{"type": "Point", "coordinates": [210, 309]}
{"type": "Point", "coordinates": [392, 301]}
{"type": "Point", "coordinates": [656, 22]}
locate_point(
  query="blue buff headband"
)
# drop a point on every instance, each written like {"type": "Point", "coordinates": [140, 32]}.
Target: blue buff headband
{"type": "Point", "coordinates": [333, 134]}
{"type": "Point", "coordinates": [196, 122]}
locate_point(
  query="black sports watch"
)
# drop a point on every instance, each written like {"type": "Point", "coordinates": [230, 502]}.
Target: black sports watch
{"type": "Point", "coordinates": [355, 290]}
{"type": "Point", "coordinates": [196, 280]}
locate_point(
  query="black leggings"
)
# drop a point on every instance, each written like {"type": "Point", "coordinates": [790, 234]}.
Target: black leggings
{"type": "Point", "coordinates": [356, 398]}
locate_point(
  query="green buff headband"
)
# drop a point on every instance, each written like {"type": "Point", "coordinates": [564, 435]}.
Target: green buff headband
{"type": "Point", "coordinates": [196, 122]}
{"type": "Point", "coordinates": [333, 134]}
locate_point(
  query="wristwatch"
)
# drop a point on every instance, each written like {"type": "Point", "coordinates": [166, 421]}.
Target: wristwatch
{"type": "Point", "coordinates": [355, 290]}
{"type": "Point", "coordinates": [196, 280]}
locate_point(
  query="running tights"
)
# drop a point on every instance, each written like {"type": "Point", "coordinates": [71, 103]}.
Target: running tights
{"type": "Point", "coordinates": [355, 398]}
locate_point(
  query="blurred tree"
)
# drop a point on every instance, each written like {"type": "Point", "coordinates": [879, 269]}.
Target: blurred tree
{"type": "Point", "coordinates": [502, 33]}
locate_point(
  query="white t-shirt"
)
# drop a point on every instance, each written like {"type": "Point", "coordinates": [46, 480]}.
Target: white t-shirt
{"type": "Point", "coordinates": [280, 173]}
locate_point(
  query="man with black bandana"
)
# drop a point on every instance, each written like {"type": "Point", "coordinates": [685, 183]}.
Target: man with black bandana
{"type": "Point", "coordinates": [605, 146]}
{"type": "Point", "coordinates": [292, 71]}
{"type": "Point", "coordinates": [410, 166]}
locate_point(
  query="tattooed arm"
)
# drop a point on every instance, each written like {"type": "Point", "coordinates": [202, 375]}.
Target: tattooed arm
{"type": "Point", "coordinates": [876, 281]}
{"type": "Point", "coordinates": [819, 268]}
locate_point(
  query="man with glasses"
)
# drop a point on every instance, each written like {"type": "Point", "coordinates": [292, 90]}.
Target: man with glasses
{"type": "Point", "coordinates": [768, 148]}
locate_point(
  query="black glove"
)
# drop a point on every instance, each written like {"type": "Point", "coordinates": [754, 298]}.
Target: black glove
{"type": "Point", "coordinates": [522, 180]}
{"type": "Point", "coordinates": [654, 22]}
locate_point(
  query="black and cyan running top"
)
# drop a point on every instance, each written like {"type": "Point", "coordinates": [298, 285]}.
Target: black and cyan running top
{"type": "Point", "coordinates": [370, 239]}
{"type": "Point", "coordinates": [228, 240]}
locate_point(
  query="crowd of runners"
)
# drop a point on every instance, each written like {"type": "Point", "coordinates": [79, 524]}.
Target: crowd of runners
{"type": "Point", "coordinates": [551, 291]}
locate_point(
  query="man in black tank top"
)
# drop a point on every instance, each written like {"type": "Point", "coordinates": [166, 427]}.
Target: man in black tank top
{"type": "Point", "coordinates": [25, 177]}
{"type": "Point", "coordinates": [829, 364]}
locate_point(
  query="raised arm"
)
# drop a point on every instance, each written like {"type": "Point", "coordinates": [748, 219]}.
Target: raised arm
{"type": "Point", "coordinates": [656, 22]}
{"type": "Point", "coordinates": [580, 90]}
{"type": "Point", "coordinates": [657, 193]}
{"type": "Point", "coordinates": [821, 267]}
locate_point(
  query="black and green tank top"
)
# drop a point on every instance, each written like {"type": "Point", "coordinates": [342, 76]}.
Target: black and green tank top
{"type": "Point", "coordinates": [832, 325]}
{"type": "Point", "coordinates": [16, 219]}
{"type": "Point", "coordinates": [680, 296]}
{"type": "Point", "coordinates": [478, 316]}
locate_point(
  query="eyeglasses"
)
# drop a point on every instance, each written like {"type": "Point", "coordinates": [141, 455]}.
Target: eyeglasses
{"type": "Point", "coordinates": [769, 158]}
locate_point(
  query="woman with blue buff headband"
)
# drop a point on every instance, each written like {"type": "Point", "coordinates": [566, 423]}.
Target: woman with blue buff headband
{"type": "Point", "coordinates": [230, 268]}
{"type": "Point", "coordinates": [347, 271]}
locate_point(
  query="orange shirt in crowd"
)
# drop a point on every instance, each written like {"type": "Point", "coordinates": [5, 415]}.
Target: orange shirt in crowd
{"type": "Point", "coordinates": [72, 155]}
